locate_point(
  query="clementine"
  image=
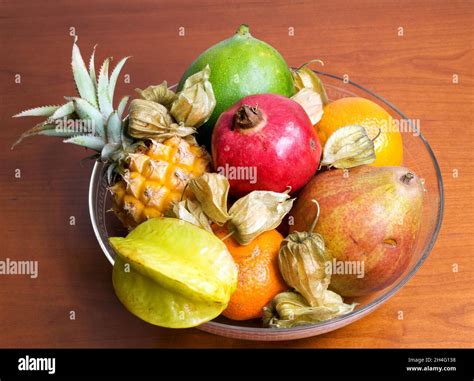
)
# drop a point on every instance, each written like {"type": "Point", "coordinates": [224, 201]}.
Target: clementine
{"type": "Point", "coordinates": [259, 277]}
{"type": "Point", "coordinates": [371, 116]}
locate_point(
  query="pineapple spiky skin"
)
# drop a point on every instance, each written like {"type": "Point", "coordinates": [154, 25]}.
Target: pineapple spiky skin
{"type": "Point", "coordinates": [156, 178]}
{"type": "Point", "coordinates": [147, 176]}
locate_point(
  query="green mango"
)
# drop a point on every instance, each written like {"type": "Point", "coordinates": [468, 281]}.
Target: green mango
{"type": "Point", "coordinates": [240, 65]}
{"type": "Point", "coordinates": [173, 274]}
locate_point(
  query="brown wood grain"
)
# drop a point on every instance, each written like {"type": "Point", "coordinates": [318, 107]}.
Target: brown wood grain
{"type": "Point", "coordinates": [356, 38]}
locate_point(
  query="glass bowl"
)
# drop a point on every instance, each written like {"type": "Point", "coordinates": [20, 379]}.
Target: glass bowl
{"type": "Point", "coordinates": [418, 156]}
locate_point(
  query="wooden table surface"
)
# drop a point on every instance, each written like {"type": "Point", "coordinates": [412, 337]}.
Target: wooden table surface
{"type": "Point", "coordinates": [414, 71]}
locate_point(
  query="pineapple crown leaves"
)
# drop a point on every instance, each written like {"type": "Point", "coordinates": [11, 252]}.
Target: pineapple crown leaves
{"type": "Point", "coordinates": [94, 105]}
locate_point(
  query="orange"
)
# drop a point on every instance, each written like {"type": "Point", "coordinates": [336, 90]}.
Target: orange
{"type": "Point", "coordinates": [368, 114]}
{"type": "Point", "coordinates": [259, 275]}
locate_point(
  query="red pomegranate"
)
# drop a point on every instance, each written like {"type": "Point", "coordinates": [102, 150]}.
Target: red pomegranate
{"type": "Point", "coordinates": [265, 142]}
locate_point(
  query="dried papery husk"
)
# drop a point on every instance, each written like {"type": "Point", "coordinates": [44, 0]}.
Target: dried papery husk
{"type": "Point", "coordinates": [148, 120]}
{"type": "Point", "coordinates": [304, 77]}
{"type": "Point", "coordinates": [143, 113]}
{"type": "Point", "coordinates": [191, 139]}
{"type": "Point", "coordinates": [348, 147]}
{"type": "Point", "coordinates": [159, 134]}
{"type": "Point", "coordinates": [196, 101]}
{"type": "Point", "coordinates": [160, 94]}
{"type": "Point", "coordinates": [302, 260]}
{"type": "Point", "coordinates": [211, 190]}
{"type": "Point", "coordinates": [290, 309]}
{"type": "Point", "coordinates": [311, 101]}
{"type": "Point", "coordinates": [256, 213]}
{"type": "Point", "coordinates": [250, 216]}
{"type": "Point", "coordinates": [190, 211]}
